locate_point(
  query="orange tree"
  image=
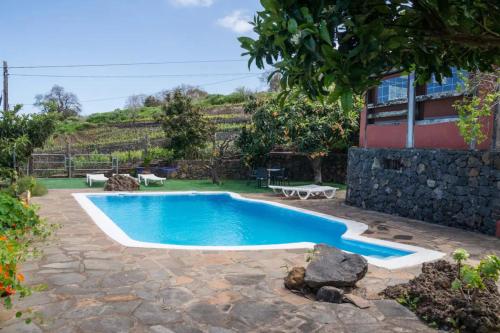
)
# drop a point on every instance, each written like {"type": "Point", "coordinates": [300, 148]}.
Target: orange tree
{"type": "Point", "coordinates": [352, 43]}
{"type": "Point", "coordinates": [311, 128]}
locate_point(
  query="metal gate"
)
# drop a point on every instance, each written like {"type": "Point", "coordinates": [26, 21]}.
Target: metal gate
{"type": "Point", "coordinates": [81, 164]}
{"type": "Point", "coordinates": [61, 165]}
{"type": "Point", "coordinates": [48, 165]}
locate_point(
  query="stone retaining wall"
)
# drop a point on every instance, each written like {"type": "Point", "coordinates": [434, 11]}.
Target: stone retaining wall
{"type": "Point", "coordinates": [448, 187]}
{"type": "Point", "coordinates": [298, 167]}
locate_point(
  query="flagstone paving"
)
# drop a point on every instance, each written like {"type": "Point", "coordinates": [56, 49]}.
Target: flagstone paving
{"type": "Point", "coordinates": [96, 285]}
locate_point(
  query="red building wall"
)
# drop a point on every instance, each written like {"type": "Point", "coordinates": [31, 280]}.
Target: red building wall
{"type": "Point", "coordinates": [437, 135]}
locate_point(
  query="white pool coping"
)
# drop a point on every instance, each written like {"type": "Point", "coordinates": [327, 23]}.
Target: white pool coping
{"type": "Point", "coordinates": [353, 232]}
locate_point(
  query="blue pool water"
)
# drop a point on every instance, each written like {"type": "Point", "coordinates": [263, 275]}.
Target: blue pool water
{"type": "Point", "coordinates": [221, 220]}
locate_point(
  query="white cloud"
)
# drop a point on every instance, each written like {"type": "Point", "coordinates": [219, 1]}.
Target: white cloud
{"type": "Point", "coordinates": [236, 21]}
{"type": "Point", "coordinates": [192, 3]}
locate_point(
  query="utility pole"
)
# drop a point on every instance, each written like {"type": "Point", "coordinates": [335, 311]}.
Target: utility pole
{"type": "Point", "coordinates": [5, 86]}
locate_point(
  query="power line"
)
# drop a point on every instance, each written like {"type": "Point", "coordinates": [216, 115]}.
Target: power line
{"type": "Point", "coordinates": [133, 63]}
{"type": "Point", "coordinates": [149, 76]}
{"type": "Point", "coordinates": [122, 97]}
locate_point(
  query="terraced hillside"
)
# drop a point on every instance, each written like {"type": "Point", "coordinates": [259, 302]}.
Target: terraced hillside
{"type": "Point", "coordinates": [122, 130]}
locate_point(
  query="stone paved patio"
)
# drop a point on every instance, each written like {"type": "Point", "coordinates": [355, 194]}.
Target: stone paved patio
{"type": "Point", "coordinates": [97, 285]}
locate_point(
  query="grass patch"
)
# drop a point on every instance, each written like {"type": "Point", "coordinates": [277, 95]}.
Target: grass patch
{"type": "Point", "coordinates": [238, 186]}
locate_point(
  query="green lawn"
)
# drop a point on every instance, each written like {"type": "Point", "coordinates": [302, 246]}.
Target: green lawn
{"type": "Point", "coordinates": [238, 186]}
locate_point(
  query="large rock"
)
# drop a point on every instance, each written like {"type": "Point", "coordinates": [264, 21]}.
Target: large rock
{"type": "Point", "coordinates": [333, 267]}
{"type": "Point", "coordinates": [121, 183]}
{"type": "Point", "coordinates": [295, 278]}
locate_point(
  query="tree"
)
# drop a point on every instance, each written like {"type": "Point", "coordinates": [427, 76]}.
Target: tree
{"type": "Point", "coordinates": [59, 101]}
{"type": "Point", "coordinates": [220, 151]}
{"type": "Point", "coordinates": [151, 101]}
{"type": "Point", "coordinates": [311, 128]}
{"type": "Point", "coordinates": [482, 96]}
{"type": "Point", "coordinates": [133, 104]}
{"type": "Point", "coordinates": [353, 43]}
{"type": "Point", "coordinates": [272, 79]}
{"type": "Point", "coordinates": [316, 129]}
{"type": "Point", "coordinates": [192, 92]}
{"type": "Point", "coordinates": [258, 139]}
{"type": "Point", "coordinates": [184, 125]}
{"type": "Point", "coordinates": [20, 135]}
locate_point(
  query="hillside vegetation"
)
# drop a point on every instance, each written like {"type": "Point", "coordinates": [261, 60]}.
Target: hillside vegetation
{"type": "Point", "coordinates": [126, 129]}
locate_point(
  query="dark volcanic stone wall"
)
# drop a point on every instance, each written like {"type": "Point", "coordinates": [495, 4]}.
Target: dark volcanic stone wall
{"type": "Point", "coordinates": [448, 187]}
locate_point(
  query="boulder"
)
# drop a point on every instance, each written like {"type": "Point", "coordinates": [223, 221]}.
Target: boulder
{"type": "Point", "coordinates": [121, 183]}
{"type": "Point", "coordinates": [332, 267]}
{"type": "Point", "coordinates": [295, 278]}
{"type": "Point", "coordinates": [330, 294]}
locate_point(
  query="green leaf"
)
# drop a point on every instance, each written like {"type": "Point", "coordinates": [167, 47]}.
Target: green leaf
{"type": "Point", "coordinates": [324, 34]}
{"type": "Point", "coordinates": [292, 25]}
{"type": "Point", "coordinates": [246, 42]}
{"type": "Point", "coordinates": [347, 100]}
{"type": "Point", "coordinates": [268, 4]}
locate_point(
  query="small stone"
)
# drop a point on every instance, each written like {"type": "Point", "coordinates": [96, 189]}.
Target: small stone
{"type": "Point", "coordinates": [473, 172]}
{"type": "Point", "coordinates": [431, 183]}
{"type": "Point", "coordinates": [420, 168]}
{"type": "Point", "coordinates": [376, 164]}
{"type": "Point", "coordinates": [329, 294]}
{"type": "Point", "coordinates": [437, 193]}
{"type": "Point", "coordinates": [295, 278]}
{"type": "Point", "coordinates": [356, 300]}
{"type": "Point", "coordinates": [473, 162]}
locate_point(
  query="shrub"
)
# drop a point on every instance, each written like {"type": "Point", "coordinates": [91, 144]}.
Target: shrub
{"type": "Point", "coordinates": [20, 228]}
{"type": "Point", "coordinates": [454, 297]}
{"type": "Point", "coordinates": [24, 184]}
{"type": "Point", "coordinates": [39, 190]}
{"type": "Point", "coordinates": [471, 280]}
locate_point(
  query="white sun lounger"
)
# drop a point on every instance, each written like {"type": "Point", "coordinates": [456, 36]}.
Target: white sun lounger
{"type": "Point", "coordinates": [305, 191]}
{"type": "Point", "coordinates": [96, 178]}
{"type": "Point", "coordinates": [150, 178]}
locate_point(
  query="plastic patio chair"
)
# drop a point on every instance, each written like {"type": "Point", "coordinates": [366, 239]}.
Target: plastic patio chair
{"type": "Point", "coordinates": [261, 175]}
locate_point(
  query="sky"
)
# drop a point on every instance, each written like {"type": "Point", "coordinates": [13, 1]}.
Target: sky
{"type": "Point", "coordinates": [64, 32]}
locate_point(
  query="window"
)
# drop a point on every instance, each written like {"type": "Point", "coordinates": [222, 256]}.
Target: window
{"type": "Point", "coordinates": [392, 89]}
{"type": "Point", "coordinates": [449, 84]}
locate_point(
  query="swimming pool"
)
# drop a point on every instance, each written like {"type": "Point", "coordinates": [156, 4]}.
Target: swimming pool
{"type": "Point", "coordinates": [227, 221]}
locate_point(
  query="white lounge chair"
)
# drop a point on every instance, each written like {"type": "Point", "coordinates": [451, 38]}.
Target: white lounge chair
{"type": "Point", "coordinates": [305, 191]}
{"type": "Point", "coordinates": [150, 178]}
{"type": "Point", "coordinates": [96, 178]}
